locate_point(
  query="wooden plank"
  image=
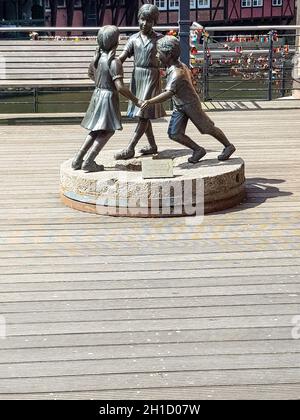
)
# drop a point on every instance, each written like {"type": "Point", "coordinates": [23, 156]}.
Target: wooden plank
{"type": "Point", "coordinates": [45, 83]}
{"type": "Point", "coordinates": [65, 52]}
{"type": "Point", "coordinates": [149, 303]}
{"type": "Point", "coordinates": [158, 350]}
{"type": "Point", "coordinates": [11, 49]}
{"type": "Point", "coordinates": [23, 283]}
{"type": "Point", "coordinates": [44, 65]}
{"type": "Point", "coordinates": [54, 59]}
{"type": "Point", "coordinates": [144, 313]}
{"type": "Point", "coordinates": [113, 365]}
{"type": "Point", "coordinates": [225, 392]}
{"type": "Point", "coordinates": [57, 53]}
{"type": "Point", "coordinates": [47, 77]}
{"type": "Point", "coordinates": [52, 73]}
{"type": "Point", "coordinates": [141, 380]}
{"type": "Point", "coordinates": [50, 69]}
{"type": "Point", "coordinates": [166, 272]}
{"type": "Point", "coordinates": [117, 325]}
{"type": "Point", "coordinates": [56, 43]}
{"type": "Point", "coordinates": [267, 336]}
{"type": "Point", "coordinates": [87, 258]}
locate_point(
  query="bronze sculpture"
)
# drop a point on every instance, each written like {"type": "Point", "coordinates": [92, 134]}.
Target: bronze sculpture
{"type": "Point", "coordinates": [103, 116]}
{"type": "Point", "coordinates": [145, 82]}
{"type": "Point", "coordinates": [187, 105]}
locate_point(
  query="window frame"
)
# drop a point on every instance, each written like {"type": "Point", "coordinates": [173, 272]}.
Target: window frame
{"type": "Point", "coordinates": [244, 6]}
{"type": "Point", "coordinates": [203, 6]}
{"type": "Point", "coordinates": [173, 7]}
{"type": "Point", "coordinates": [279, 3]}
{"type": "Point", "coordinates": [258, 5]}
{"type": "Point", "coordinates": [158, 4]}
{"type": "Point", "coordinates": [62, 6]}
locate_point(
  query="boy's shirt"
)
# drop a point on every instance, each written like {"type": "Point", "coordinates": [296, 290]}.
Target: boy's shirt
{"type": "Point", "coordinates": [179, 81]}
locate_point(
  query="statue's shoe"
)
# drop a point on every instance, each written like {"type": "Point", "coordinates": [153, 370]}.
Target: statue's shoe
{"type": "Point", "coordinates": [77, 163]}
{"type": "Point", "coordinates": [92, 167]}
{"type": "Point", "coordinates": [125, 154]}
{"type": "Point", "coordinates": [227, 152]}
{"type": "Point", "coordinates": [148, 150]}
{"type": "Point", "coordinates": [197, 155]}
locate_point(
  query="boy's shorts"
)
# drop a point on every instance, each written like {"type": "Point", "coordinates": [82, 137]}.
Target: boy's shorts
{"type": "Point", "coordinates": [193, 112]}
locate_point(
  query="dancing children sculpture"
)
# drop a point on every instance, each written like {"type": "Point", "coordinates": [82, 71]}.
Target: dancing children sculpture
{"type": "Point", "coordinates": [187, 105]}
{"type": "Point", "coordinates": [145, 82]}
{"type": "Point", "coordinates": [103, 116]}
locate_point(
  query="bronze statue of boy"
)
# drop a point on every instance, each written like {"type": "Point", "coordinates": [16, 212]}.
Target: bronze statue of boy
{"type": "Point", "coordinates": [187, 105]}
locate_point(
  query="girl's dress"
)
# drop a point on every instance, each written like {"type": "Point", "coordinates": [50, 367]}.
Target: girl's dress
{"type": "Point", "coordinates": [104, 109]}
{"type": "Point", "coordinates": [145, 81]}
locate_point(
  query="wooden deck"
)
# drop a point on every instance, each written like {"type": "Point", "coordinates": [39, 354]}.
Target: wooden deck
{"type": "Point", "coordinates": [112, 308]}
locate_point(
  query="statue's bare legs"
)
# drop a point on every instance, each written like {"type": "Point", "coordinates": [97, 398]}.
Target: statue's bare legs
{"type": "Point", "coordinates": [78, 159]}
{"type": "Point", "coordinates": [150, 149]}
{"type": "Point", "coordinates": [198, 151]}
{"type": "Point", "coordinates": [218, 134]}
{"type": "Point", "coordinates": [90, 149]}
{"type": "Point", "coordinates": [144, 127]}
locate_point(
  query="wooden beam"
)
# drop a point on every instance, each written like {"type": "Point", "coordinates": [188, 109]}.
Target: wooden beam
{"type": "Point", "coordinates": [53, 7]}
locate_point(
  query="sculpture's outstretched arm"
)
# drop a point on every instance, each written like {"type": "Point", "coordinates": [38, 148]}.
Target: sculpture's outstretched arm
{"type": "Point", "coordinates": [158, 99]}
{"type": "Point", "coordinates": [124, 55]}
{"type": "Point", "coordinates": [121, 88]}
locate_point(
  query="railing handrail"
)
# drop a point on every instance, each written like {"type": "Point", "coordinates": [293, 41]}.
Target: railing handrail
{"type": "Point", "coordinates": [251, 28]}
{"type": "Point", "coordinates": [136, 28]}
{"type": "Point", "coordinates": [77, 28]}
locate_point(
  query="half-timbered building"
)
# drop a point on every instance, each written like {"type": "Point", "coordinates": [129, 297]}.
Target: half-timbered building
{"type": "Point", "coordinates": [124, 12]}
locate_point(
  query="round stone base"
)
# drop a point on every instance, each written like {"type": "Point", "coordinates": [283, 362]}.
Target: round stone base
{"type": "Point", "coordinates": [120, 190]}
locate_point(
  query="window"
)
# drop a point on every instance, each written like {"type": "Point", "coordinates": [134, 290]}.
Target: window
{"type": "Point", "coordinates": [276, 2]}
{"type": "Point", "coordinates": [203, 4]}
{"type": "Point", "coordinates": [173, 4]}
{"type": "Point", "coordinates": [257, 3]}
{"type": "Point", "coordinates": [60, 3]}
{"type": "Point", "coordinates": [120, 3]}
{"type": "Point", "coordinates": [193, 4]}
{"type": "Point", "coordinates": [77, 3]}
{"type": "Point", "coordinates": [161, 4]}
{"type": "Point", "coordinates": [246, 3]}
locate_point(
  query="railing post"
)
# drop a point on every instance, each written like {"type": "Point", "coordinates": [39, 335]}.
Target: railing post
{"type": "Point", "coordinates": [283, 78]}
{"type": "Point", "coordinates": [270, 74]}
{"type": "Point", "coordinates": [35, 97]}
{"type": "Point", "coordinates": [205, 69]}
{"type": "Point", "coordinates": [184, 31]}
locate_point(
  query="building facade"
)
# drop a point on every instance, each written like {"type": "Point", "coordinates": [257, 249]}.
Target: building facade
{"type": "Point", "coordinates": [124, 12]}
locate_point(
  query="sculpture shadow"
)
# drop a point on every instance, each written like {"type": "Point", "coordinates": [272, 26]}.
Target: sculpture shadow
{"type": "Point", "coordinates": [208, 163]}
{"type": "Point", "coordinates": [258, 191]}
{"type": "Point", "coordinates": [170, 153]}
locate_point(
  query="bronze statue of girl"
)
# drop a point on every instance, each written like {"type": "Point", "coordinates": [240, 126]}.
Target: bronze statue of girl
{"type": "Point", "coordinates": [145, 83]}
{"type": "Point", "coordinates": [103, 116]}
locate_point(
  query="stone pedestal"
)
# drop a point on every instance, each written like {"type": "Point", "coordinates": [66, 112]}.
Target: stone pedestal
{"type": "Point", "coordinates": [120, 190]}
